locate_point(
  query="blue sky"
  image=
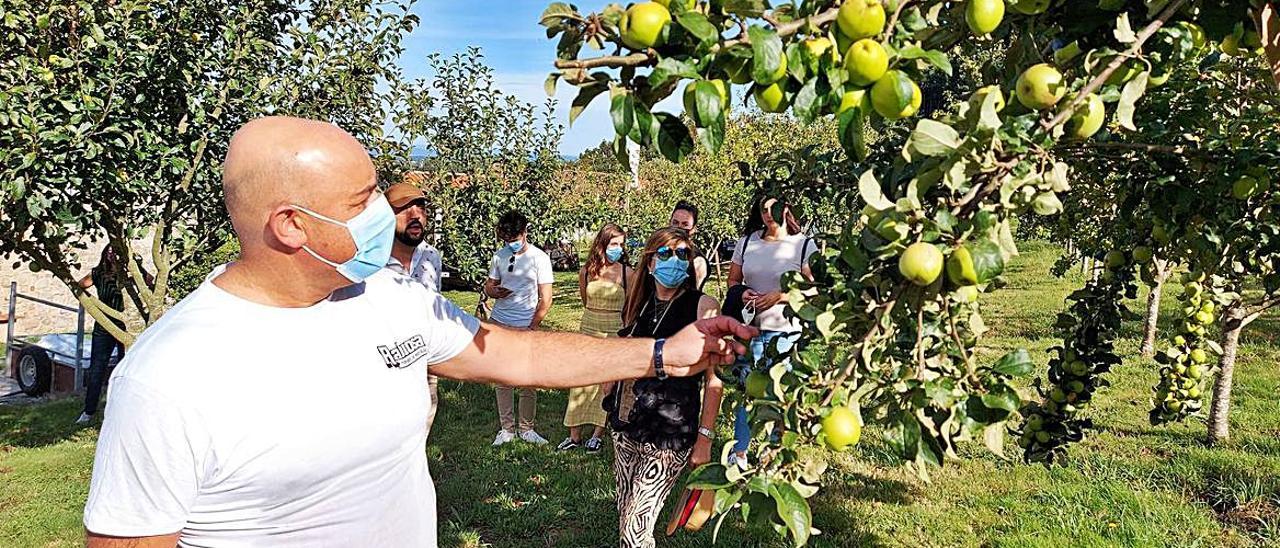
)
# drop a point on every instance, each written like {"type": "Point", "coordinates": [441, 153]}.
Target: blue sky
{"type": "Point", "coordinates": [518, 50]}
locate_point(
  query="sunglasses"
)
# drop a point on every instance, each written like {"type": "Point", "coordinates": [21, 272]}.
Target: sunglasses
{"type": "Point", "coordinates": [665, 253]}
{"type": "Point", "coordinates": [511, 265]}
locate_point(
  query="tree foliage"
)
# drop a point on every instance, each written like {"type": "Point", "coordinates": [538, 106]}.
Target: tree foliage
{"type": "Point", "coordinates": [887, 332]}
{"type": "Point", "coordinates": [113, 116]}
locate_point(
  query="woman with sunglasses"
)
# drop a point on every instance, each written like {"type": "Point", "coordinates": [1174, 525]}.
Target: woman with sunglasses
{"type": "Point", "coordinates": [602, 285]}
{"type": "Point", "coordinates": [773, 244]}
{"type": "Point", "coordinates": [660, 425]}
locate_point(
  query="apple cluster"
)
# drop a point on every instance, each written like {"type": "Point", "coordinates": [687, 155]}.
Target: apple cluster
{"type": "Point", "coordinates": [1188, 360]}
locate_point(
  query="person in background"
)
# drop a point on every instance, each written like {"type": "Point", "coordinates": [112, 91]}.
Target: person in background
{"type": "Point", "coordinates": [602, 284]}
{"type": "Point", "coordinates": [520, 284]}
{"type": "Point", "coordinates": [412, 256]}
{"type": "Point", "coordinates": [103, 344]}
{"type": "Point", "coordinates": [660, 425]}
{"type": "Point", "coordinates": [772, 244]}
{"type": "Point", "coordinates": [685, 217]}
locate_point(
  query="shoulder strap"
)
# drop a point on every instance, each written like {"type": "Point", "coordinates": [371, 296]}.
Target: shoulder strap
{"type": "Point", "coordinates": [804, 251]}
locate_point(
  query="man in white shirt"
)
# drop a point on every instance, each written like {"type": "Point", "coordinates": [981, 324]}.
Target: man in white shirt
{"type": "Point", "coordinates": [222, 427]}
{"type": "Point", "coordinates": [412, 256]}
{"type": "Point", "coordinates": [520, 282]}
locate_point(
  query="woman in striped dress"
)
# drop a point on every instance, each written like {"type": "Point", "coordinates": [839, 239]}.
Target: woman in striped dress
{"type": "Point", "coordinates": [602, 286]}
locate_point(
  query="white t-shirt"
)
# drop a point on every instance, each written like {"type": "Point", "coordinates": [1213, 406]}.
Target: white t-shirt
{"type": "Point", "coordinates": [763, 264]}
{"type": "Point", "coordinates": [425, 266]}
{"type": "Point", "coordinates": [240, 424]}
{"type": "Point", "coordinates": [531, 269]}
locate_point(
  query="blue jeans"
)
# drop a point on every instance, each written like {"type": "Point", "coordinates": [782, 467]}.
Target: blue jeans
{"type": "Point", "coordinates": [741, 426]}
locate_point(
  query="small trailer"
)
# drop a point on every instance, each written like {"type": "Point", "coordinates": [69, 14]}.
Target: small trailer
{"type": "Point", "coordinates": [47, 362]}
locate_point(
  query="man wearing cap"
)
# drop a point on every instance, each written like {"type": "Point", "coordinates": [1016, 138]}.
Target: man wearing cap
{"type": "Point", "coordinates": [412, 256]}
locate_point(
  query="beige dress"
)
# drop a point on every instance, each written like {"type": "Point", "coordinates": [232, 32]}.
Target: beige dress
{"type": "Point", "coordinates": [602, 318]}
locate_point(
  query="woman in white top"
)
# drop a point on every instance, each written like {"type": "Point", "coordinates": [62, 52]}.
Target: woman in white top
{"type": "Point", "coordinates": [773, 244]}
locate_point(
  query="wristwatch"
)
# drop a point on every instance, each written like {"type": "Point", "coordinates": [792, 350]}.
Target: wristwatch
{"type": "Point", "coordinates": [657, 359]}
{"type": "Point", "coordinates": [707, 432]}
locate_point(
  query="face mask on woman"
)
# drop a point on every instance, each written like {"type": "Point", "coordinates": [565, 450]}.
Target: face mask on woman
{"type": "Point", "coordinates": [614, 254]}
{"type": "Point", "coordinates": [673, 267]}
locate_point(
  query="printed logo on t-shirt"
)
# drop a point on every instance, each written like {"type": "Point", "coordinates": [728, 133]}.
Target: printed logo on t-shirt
{"type": "Point", "coordinates": [403, 354]}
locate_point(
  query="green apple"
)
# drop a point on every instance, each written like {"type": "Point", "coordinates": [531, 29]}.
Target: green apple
{"type": "Point", "coordinates": [856, 98]}
{"type": "Point", "coordinates": [890, 91]}
{"type": "Point", "coordinates": [1087, 118]}
{"type": "Point", "coordinates": [980, 96]}
{"type": "Point", "coordinates": [778, 73]}
{"type": "Point", "coordinates": [738, 69]}
{"type": "Point", "coordinates": [866, 62]}
{"type": "Point", "coordinates": [859, 19]}
{"type": "Point", "coordinates": [641, 25]}
{"type": "Point", "coordinates": [1114, 260]}
{"type": "Point", "coordinates": [1244, 188]}
{"type": "Point", "coordinates": [770, 98]}
{"type": "Point", "coordinates": [921, 263]}
{"type": "Point", "coordinates": [983, 16]}
{"type": "Point", "coordinates": [1040, 87]}
{"type": "Point", "coordinates": [960, 267]}
{"type": "Point", "coordinates": [1142, 254]}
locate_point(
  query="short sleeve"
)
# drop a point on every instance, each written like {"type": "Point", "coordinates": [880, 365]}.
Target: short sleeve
{"type": "Point", "coordinates": [148, 465]}
{"type": "Point", "coordinates": [739, 249]}
{"type": "Point", "coordinates": [808, 247]}
{"type": "Point", "coordinates": [449, 330]}
{"type": "Point", "coordinates": [546, 275]}
{"type": "Point", "coordinates": [494, 272]}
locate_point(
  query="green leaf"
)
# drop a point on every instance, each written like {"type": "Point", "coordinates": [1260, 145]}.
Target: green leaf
{"type": "Point", "coordinates": [1001, 396]}
{"type": "Point", "coordinates": [646, 128]}
{"type": "Point", "coordinates": [712, 136]}
{"type": "Point", "coordinates": [852, 134]}
{"type": "Point", "coordinates": [674, 140]}
{"type": "Point", "coordinates": [988, 116]}
{"type": "Point", "coordinates": [988, 261]}
{"type": "Point", "coordinates": [549, 85]}
{"type": "Point", "coordinates": [555, 14]}
{"type": "Point", "coordinates": [1015, 364]}
{"type": "Point", "coordinates": [697, 25]}
{"type": "Point", "coordinates": [946, 221]}
{"type": "Point", "coordinates": [1133, 90]}
{"type": "Point", "coordinates": [1124, 31]}
{"type": "Point", "coordinates": [622, 109]}
{"type": "Point", "coordinates": [933, 138]}
{"type": "Point", "coordinates": [766, 54]}
{"type": "Point", "coordinates": [747, 8]}
{"type": "Point", "coordinates": [669, 68]}
{"type": "Point", "coordinates": [872, 194]}
{"type": "Point", "coordinates": [1047, 203]}
{"type": "Point", "coordinates": [709, 476]}
{"type": "Point", "coordinates": [710, 107]}
{"type": "Point", "coordinates": [793, 510]}
{"type": "Point", "coordinates": [933, 57]}
{"type": "Point", "coordinates": [584, 97]}
{"type": "Point", "coordinates": [807, 103]}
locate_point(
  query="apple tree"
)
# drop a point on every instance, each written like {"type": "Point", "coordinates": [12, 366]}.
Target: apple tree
{"type": "Point", "coordinates": [113, 116]}
{"type": "Point", "coordinates": [893, 317]}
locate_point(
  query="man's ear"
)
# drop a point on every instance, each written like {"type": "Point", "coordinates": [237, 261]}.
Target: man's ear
{"type": "Point", "coordinates": [285, 226]}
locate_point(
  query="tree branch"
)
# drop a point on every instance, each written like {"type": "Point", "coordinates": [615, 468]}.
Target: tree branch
{"type": "Point", "coordinates": [649, 57]}
{"type": "Point", "coordinates": [1177, 150]}
{"type": "Point", "coordinates": [1115, 63]}
{"type": "Point", "coordinates": [849, 369]}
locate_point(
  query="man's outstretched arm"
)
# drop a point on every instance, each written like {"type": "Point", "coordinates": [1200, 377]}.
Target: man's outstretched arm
{"type": "Point", "coordinates": [563, 360]}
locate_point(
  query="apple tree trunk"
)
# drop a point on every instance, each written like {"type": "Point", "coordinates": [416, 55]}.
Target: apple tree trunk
{"type": "Point", "coordinates": [1219, 413]}
{"type": "Point", "coordinates": [1149, 327]}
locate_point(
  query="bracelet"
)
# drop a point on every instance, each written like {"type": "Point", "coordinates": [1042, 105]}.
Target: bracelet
{"type": "Point", "coordinates": [707, 432]}
{"type": "Point", "coordinates": [657, 359]}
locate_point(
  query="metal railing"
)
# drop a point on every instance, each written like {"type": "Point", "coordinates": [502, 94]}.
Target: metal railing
{"type": "Point", "coordinates": [11, 326]}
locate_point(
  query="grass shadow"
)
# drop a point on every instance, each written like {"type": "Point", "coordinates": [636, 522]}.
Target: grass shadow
{"type": "Point", "coordinates": [39, 425]}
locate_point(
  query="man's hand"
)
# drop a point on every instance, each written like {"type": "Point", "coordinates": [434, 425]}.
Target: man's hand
{"type": "Point", "coordinates": [499, 292]}
{"type": "Point", "coordinates": [749, 295]}
{"type": "Point", "coordinates": [713, 341]}
{"type": "Point", "coordinates": [767, 300]}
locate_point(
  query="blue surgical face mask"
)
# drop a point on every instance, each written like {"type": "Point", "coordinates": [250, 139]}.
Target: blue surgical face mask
{"type": "Point", "coordinates": [372, 230]}
{"type": "Point", "coordinates": [515, 246]}
{"type": "Point", "coordinates": [671, 272]}
{"type": "Point", "coordinates": [614, 254]}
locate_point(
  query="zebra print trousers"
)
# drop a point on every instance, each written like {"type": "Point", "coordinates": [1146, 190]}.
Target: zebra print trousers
{"type": "Point", "coordinates": [645, 475]}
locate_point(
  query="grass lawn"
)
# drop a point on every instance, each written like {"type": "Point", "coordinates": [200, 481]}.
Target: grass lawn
{"type": "Point", "coordinates": [1128, 485]}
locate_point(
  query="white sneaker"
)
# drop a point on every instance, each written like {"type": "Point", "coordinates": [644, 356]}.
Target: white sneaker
{"type": "Point", "coordinates": [504, 437]}
{"type": "Point", "coordinates": [533, 437]}
{"type": "Point", "coordinates": [740, 460]}
{"type": "Point", "coordinates": [85, 418]}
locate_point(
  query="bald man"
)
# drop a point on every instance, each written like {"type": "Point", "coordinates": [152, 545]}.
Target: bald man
{"type": "Point", "coordinates": [283, 402]}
